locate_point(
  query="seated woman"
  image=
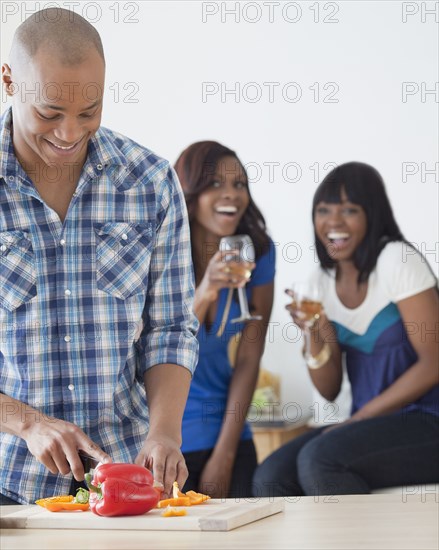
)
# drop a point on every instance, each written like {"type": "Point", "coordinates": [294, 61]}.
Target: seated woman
{"type": "Point", "coordinates": [217, 442]}
{"type": "Point", "coordinates": [381, 300]}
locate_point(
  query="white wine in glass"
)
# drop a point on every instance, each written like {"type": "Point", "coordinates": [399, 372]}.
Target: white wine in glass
{"type": "Point", "coordinates": [307, 301]}
{"type": "Point", "coordinates": [244, 245]}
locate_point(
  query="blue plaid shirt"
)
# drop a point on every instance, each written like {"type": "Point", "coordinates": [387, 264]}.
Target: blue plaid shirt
{"type": "Point", "coordinates": [88, 305]}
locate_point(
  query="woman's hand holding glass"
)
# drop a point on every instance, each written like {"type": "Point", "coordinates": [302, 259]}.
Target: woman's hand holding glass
{"type": "Point", "coordinates": [240, 267]}
{"type": "Point", "coordinates": [306, 309]}
{"type": "Point", "coordinates": [225, 272]}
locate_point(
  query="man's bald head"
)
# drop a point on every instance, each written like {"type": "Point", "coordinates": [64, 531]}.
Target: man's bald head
{"type": "Point", "coordinates": [66, 35]}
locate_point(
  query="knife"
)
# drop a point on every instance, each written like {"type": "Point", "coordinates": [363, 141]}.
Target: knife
{"type": "Point", "coordinates": [89, 462]}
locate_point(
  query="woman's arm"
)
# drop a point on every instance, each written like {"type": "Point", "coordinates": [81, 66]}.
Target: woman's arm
{"type": "Point", "coordinates": [245, 374]}
{"type": "Point", "coordinates": [328, 378]}
{"type": "Point", "coordinates": [420, 315]}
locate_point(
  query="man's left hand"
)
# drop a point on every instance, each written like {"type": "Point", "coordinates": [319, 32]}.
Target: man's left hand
{"type": "Point", "coordinates": [162, 455]}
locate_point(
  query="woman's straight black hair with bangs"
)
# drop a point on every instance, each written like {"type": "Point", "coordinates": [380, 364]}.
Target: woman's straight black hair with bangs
{"type": "Point", "coordinates": [363, 185]}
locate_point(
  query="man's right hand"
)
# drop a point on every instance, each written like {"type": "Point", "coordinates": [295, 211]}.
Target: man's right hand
{"type": "Point", "coordinates": [55, 443]}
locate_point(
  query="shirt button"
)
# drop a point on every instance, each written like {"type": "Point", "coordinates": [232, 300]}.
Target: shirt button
{"type": "Point", "coordinates": [67, 292]}
{"type": "Point", "coordinates": [11, 178]}
{"type": "Point", "coordinates": [71, 387]}
{"type": "Point", "coordinates": [67, 338]}
{"type": "Point", "coordinates": [124, 236]}
{"type": "Point", "coordinates": [99, 166]}
{"type": "Point", "coordinates": [3, 247]}
{"type": "Point", "coordinates": [62, 242]}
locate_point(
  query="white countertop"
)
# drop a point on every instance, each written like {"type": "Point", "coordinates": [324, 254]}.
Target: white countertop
{"type": "Point", "coordinates": [340, 522]}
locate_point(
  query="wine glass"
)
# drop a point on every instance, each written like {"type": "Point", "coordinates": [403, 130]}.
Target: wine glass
{"type": "Point", "coordinates": [244, 245]}
{"type": "Point", "coordinates": [307, 303]}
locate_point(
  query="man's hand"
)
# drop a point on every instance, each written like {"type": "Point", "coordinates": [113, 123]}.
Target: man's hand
{"type": "Point", "coordinates": [162, 455]}
{"type": "Point", "coordinates": [55, 443]}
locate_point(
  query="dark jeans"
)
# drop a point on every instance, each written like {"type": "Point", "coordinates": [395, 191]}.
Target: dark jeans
{"type": "Point", "coordinates": [387, 451]}
{"type": "Point", "coordinates": [243, 469]}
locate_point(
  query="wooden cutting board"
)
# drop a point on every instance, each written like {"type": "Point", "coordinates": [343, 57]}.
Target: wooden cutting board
{"type": "Point", "coordinates": [214, 515]}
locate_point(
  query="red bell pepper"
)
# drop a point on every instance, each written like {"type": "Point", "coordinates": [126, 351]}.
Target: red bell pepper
{"type": "Point", "coordinates": [119, 489]}
{"type": "Point", "coordinates": [132, 472]}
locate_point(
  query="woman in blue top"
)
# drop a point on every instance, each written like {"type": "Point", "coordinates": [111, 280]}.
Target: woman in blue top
{"type": "Point", "coordinates": [382, 302]}
{"type": "Point", "coordinates": [217, 442]}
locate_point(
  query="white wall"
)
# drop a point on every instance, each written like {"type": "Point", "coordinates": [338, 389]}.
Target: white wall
{"type": "Point", "coordinates": [366, 50]}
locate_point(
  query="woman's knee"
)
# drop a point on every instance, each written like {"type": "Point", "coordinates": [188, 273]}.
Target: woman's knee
{"type": "Point", "coordinates": [264, 479]}
{"type": "Point", "coordinates": [316, 459]}
{"type": "Point", "coordinates": [277, 476]}
{"type": "Point", "coordinates": [272, 480]}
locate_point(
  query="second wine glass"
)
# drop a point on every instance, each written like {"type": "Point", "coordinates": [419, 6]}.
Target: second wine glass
{"type": "Point", "coordinates": [307, 301]}
{"type": "Point", "coordinates": [244, 245]}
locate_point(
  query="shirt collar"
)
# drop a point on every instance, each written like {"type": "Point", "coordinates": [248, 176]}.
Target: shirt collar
{"type": "Point", "coordinates": [102, 152]}
{"type": "Point", "coordinates": [10, 168]}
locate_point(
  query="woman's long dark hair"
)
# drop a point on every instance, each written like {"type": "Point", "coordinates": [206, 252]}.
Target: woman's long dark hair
{"type": "Point", "coordinates": [196, 167]}
{"type": "Point", "coordinates": [363, 185]}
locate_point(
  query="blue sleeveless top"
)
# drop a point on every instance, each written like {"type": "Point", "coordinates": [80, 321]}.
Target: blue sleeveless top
{"type": "Point", "coordinates": [206, 404]}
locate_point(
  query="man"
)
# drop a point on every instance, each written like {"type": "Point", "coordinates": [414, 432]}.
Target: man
{"type": "Point", "coordinates": [97, 333]}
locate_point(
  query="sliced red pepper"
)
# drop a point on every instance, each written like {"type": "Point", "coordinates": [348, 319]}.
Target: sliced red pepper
{"type": "Point", "coordinates": [121, 490]}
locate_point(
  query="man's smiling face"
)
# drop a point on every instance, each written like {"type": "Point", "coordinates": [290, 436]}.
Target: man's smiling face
{"type": "Point", "coordinates": [56, 108]}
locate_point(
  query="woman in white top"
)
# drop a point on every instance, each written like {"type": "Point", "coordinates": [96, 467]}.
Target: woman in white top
{"type": "Point", "coordinates": [381, 308]}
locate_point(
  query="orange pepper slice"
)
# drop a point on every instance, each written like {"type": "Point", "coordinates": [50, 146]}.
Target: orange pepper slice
{"type": "Point", "coordinates": [180, 501]}
{"type": "Point", "coordinates": [197, 498]}
{"type": "Point", "coordinates": [176, 491]}
{"type": "Point", "coordinates": [173, 512]}
{"type": "Point", "coordinates": [58, 506]}
{"type": "Point", "coordinates": [194, 497]}
{"type": "Point", "coordinates": [61, 498]}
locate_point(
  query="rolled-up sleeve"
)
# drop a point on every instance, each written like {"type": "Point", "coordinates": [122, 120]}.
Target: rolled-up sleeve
{"type": "Point", "coordinates": [170, 325]}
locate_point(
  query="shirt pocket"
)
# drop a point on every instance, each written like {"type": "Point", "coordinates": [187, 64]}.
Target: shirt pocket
{"type": "Point", "coordinates": [17, 270]}
{"type": "Point", "coordinates": [123, 255]}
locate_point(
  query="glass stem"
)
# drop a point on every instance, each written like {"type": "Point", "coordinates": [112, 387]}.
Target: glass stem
{"type": "Point", "coordinates": [307, 336]}
{"type": "Point", "coordinates": [243, 303]}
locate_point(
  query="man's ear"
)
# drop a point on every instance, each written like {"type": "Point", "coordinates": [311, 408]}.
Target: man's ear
{"type": "Point", "coordinates": [7, 80]}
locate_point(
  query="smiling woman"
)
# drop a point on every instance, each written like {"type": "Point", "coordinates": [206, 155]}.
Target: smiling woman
{"type": "Point", "coordinates": [217, 443]}
{"type": "Point", "coordinates": [341, 227]}
{"type": "Point", "coordinates": [222, 204]}
{"type": "Point", "coordinates": [375, 299]}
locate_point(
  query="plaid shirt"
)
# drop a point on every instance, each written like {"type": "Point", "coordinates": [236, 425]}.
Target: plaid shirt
{"type": "Point", "coordinates": [88, 305]}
